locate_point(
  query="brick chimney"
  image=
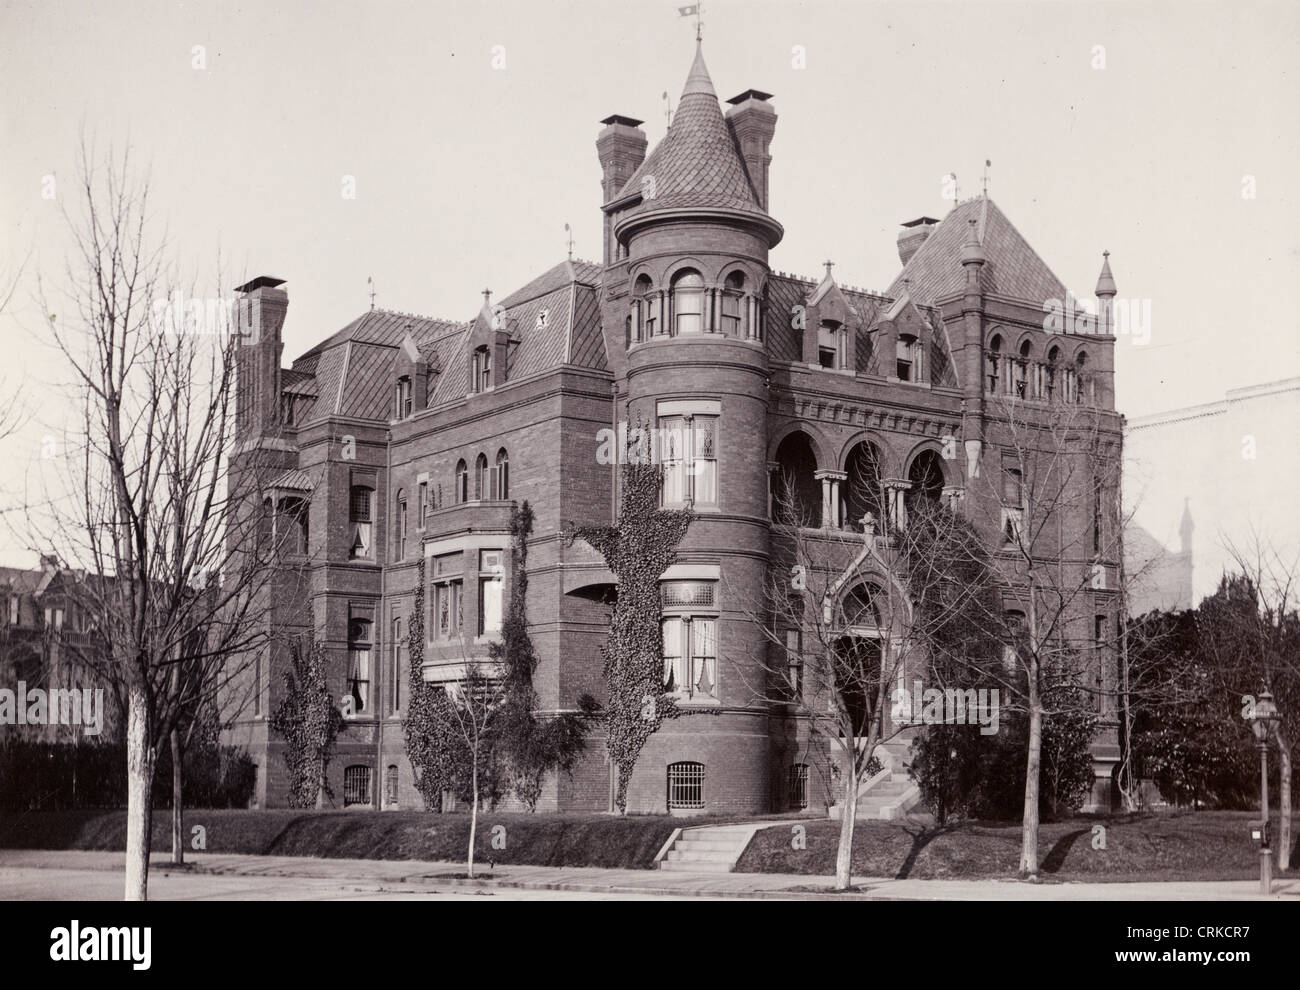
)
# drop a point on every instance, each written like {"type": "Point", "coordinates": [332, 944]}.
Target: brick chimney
{"type": "Point", "coordinates": [261, 312]}
{"type": "Point", "coordinates": [913, 235]}
{"type": "Point", "coordinates": [621, 147]}
{"type": "Point", "coordinates": [753, 122]}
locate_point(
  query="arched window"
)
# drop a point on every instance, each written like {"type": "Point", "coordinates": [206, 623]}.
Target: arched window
{"type": "Point", "coordinates": [733, 304]}
{"type": "Point", "coordinates": [1049, 372]}
{"type": "Point", "coordinates": [994, 362]}
{"type": "Point", "coordinates": [503, 474]}
{"type": "Point", "coordinates": [462, 482]}
{"type": "Point", "coordinates": [685, 785]}
{"type": "Point", "coordinates": [1021, 372]}
{"type": "Point", "coordinates": [482, 483]}
{"type": "Point", "coordinates": [688, 302]}
{"type": "Point", "coordinates": [390, 786]}
{"type": "Point", "coordinates": [796, 493]}
{"type": "Point", "coordinates": [862, 488]}
{"type": "Point", "coordinates": [857, 654]}
{"type": "Point", "coordinates": [926, 476]}
{"type": "Point", "coordinates": [361, 515]}
{"type": "Point", "coordinates": [1082, 381]}
{"type": "Point", "coordinates": [645, 323]}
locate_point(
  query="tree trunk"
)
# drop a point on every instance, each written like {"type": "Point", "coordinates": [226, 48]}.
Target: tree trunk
{"type": "Point", "coordinates": [1284, 809]}
{"type": "Point", "coordinates": [178, 802]}
{"type": "Point", "coordinates": [844, 855]}
{"type": "Point", "coordinates": [1029, 823]}
{"type": "Point", "coordinates": [139, 794]}
{"type": "Point", "coordinates": [473, 818]}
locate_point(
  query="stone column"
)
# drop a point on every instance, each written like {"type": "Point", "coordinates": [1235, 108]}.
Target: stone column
{"type": "Point", "coordinates": [895, 489]}
{"type": "Point", "coordinates": [830, 497]}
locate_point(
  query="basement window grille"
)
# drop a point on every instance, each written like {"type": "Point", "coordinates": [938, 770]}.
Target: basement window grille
{"type": "Point", "coordinates": [686, 785]}
{"type": "Point", "coordinates": [356, 786]}
{"type": "Point", "coordinates": [799, 786]}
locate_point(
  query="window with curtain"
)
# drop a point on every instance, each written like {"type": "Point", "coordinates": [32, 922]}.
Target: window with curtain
{"type": "Point", "coordinates": [360, 642]}
{"type": "Point", "coordinates": [688, 451]}
{"type": "Point", "coordinates": [690, 642]}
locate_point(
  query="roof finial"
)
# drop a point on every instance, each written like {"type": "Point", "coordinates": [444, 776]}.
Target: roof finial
{"type": "Point", "coordinates": [697, 11]}
{"type": "Point", "coordinates": [570, 233]}
{"type": "Point", "coordinates": [829, 265]}
{"type": "Point", "coordinates": [370, 281]}
{"type": "Point", "coordinates": [987, 165]}
{"type": "Point", "coordinates": [487, 298]}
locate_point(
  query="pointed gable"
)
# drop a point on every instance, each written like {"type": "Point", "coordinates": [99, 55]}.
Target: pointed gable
{"type": "Point", "coordinates": [1012, 268]}
{"type": "Point", "coordinates": [697, 163]}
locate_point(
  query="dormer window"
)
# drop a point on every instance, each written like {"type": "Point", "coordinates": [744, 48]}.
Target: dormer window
{"type": "Point", "coordinates": [832, 345]}
{"type": "Point", "coordinates": [481, 377]}
{"type": "Point", "coordinates": [688, 302]}
{"type": "Point", "coordinates": [402, 398]}
{"type": "Point", "coordinates": [908, 361]}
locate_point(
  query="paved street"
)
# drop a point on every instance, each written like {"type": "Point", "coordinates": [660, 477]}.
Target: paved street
{"type": "Point", "coordinates": [36, 875]}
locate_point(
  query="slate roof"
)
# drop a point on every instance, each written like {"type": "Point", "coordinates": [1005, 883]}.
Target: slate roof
{"type": "Point", "coordinates": [569, 295]}
{"type": "Point", "coordinates": [1013, 268]}
{"type": "Point", "coordinates": [351, 372]}
{"type": "Point", "coordinates": [697, 163]}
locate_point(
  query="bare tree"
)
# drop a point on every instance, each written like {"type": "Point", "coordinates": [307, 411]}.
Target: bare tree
{"type": "Point", "coordinates": [1059, 464]}
{"type": "Point", "coordinates": [179, 556]}
{"type": "Point", "coordinates": [848, 611]}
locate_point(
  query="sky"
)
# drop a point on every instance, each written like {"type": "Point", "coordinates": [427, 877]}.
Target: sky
{"type": "Point", "coordinates": [1162, 132]}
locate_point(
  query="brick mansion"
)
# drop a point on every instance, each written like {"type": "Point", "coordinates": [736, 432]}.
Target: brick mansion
{"type": "Point", "coordinates": [402, 440]}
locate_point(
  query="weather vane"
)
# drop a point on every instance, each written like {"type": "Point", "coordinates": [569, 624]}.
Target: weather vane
{"type": "Point", "coordinates": [695, 10]}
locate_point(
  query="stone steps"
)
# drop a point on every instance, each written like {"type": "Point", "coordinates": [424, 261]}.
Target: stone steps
{"type": "Point", "coordinates": [708, 849]}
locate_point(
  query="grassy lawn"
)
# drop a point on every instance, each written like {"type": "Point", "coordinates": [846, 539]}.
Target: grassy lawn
{"type": "Point", "coordinates": [538, 840]}
{"type": "Point", "coordinates": [1203, 845]}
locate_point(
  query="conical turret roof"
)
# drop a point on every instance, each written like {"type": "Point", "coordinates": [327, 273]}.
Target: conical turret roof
{"type": "Point", "coordinates": [697, 163]}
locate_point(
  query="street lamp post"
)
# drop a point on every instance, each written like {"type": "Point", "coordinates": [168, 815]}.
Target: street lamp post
{"type": "Point", "coordinates": [1263, 724]}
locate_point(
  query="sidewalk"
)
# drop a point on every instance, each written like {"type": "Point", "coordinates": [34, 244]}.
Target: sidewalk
{"type": "Point", "coordinates": [741, 885]}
